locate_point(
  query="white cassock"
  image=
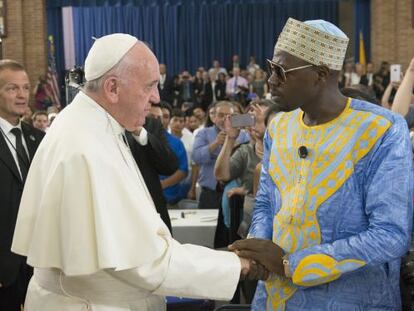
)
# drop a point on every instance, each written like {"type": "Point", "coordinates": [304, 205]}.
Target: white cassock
{"type": "Point", "coordinates": [89, 227]}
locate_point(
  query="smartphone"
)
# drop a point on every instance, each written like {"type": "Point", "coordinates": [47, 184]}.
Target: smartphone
{"type": "Point", "coordinates": [395, 72]}
{"type": "Point", "coordinates": [242, 120]}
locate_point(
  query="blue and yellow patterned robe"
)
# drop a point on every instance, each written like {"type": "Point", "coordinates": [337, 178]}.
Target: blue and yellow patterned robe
{"type": "Point", "coordinates": [343, 214]}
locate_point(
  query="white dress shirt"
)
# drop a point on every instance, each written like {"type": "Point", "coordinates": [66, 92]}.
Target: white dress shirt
{"type": "Point", "coordinates": [10, 139]}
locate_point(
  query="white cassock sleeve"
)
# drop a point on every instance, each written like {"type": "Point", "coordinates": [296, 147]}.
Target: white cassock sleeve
{"type": "Point", "coordinates": [187, 271]}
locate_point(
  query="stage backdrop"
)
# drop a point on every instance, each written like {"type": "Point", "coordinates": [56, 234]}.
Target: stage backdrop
{"type": "Point", "coordinates": [186, 34]}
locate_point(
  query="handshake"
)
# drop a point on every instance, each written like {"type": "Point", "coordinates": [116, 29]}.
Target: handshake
{"type": "Point", "coordinates": [259, 258]}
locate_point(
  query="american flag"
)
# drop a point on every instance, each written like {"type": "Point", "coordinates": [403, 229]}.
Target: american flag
{"type": "Point", "coordinates": [52, 85]}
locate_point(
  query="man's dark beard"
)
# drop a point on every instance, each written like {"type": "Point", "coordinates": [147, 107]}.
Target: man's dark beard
{"type": "Point", "coordinates": [282, 107]}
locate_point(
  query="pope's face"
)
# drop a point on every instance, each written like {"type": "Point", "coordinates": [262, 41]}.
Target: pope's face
{"type": "Point", "coordinates": [139, 90]}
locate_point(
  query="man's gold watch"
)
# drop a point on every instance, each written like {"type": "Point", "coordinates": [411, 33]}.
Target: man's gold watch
{"type": "Point", "coordinates": [286, 266]}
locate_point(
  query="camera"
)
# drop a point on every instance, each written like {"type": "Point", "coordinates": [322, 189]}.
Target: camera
{"type": "Point", "coordinates": [74, 80]}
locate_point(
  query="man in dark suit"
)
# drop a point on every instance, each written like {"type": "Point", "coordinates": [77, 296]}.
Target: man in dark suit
{"type": "Point", "coordinates": [154, 158]}
{"type": "Point", "coordinates": [166, 85]}
{"type": "Point", "coordinates": [207, 91]}
{"type": "Point", "coordinates": [18, 144]}
{"type": "Point", "coordinates": [185, 89]}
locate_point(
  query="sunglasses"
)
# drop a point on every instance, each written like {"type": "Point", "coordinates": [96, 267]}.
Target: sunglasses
{"type": "Point", "coordinates": [280, 73]}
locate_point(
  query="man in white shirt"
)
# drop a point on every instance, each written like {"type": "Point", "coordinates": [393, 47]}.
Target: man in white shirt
{"type": "Point", "coordinates": [234, 84]}
{"type": "Point", "coordinates": [165, 86]}
{"type": "Point", "coordinates": [216, 69]}
{"type": "Point", "coordinates": [94, 236]}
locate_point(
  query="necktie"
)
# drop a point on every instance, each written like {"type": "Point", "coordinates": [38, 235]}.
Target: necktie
{"type": "Point", "coordinates": [235, 85]}
{"type": "Point", "coordinates": [22, 158]}
{"type": "Point", "coordinates": [186, 94]}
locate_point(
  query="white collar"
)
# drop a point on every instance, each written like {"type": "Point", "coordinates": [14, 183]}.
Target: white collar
{"type": "Point", "coordinates": [117, 128]}
{"type": "Point", "coordinates": [7, 127]}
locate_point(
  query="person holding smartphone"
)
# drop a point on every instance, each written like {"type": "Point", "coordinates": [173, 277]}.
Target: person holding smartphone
{"type": "Point", "coordinates": [404, 97]}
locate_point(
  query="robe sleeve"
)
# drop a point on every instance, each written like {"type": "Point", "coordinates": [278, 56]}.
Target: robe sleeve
{"type": "Point", "coordinates": [262, 222]}
{"type": "Point", "coordinates": [388, 190]}
{"type": "Point", "coordinates": [186, 271]}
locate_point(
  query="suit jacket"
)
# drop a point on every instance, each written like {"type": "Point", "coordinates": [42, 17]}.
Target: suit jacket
{"type": "Point", "coordinates": [181, 86]}
{"type": "Point", "coordinates": [155, 159]}
{"type": "Point", "coordinates": [167, 92]}
{"type": "Point", "coordinates": [11, 188]}
{"type": "Point", "coordinates": [207, 95]}
{"type": "Point", "coordinates": [220, 90]}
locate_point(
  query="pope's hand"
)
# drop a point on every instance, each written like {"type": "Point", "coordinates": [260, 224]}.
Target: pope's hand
{"type": "Point", "coordinates": [245, 266]}
{"type": "Point", "coordinates": [250, 270]}
{"type": "Point", "coordinates": [265, 252]}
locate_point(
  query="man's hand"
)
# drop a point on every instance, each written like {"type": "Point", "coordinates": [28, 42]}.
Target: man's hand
{"type": "Point", "coordinates": [265, 252]}
{"type": "Point", "coordinates": [191, 194]}
{"type": "Point", "coordinates": [231, 132]}
{"type": "Point", "coordinates": [219, 141]}
{"type": "Point", "coordinates": [220, 138]}
{"type": "Point", "coordinates": [237, 190]}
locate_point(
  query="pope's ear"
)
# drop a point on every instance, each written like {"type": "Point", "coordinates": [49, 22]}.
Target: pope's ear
{"type": "Point", "coordinates": [111, 88]}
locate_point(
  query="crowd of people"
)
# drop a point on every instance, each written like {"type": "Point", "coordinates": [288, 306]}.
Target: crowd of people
{"type": "Point", "coordinates": [325, 179]}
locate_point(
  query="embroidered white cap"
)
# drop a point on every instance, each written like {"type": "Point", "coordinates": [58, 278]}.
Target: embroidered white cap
{"type": "Point", "coordinates": [317, 41]}
{"type": "Point", "coordinates": [106, 52]}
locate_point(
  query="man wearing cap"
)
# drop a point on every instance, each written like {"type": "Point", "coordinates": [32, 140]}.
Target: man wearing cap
{"type": "Point", "coordinates": [87, 223]}
{"type": "Point", "coordinates": [333, 214]}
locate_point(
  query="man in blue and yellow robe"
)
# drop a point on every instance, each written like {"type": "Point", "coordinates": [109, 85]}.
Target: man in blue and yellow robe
{"type": "Point", "coordinates": [343, 214]}
{"type": "Point", "coordinates": [335, 197]}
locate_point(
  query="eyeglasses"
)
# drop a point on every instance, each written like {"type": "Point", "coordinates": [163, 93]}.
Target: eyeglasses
{"type": "Point", "coordinates": [221, 115]}
{"type": "Point", "coordinates": [277, 70]}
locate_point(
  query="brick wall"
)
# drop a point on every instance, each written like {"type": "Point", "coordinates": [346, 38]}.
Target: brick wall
{"type": "Point", "coordinates": [346, 12]}
{"type": "Point", "coordinates": [26, 36]}
{"type": "Point", "coordinates": [392, 32]}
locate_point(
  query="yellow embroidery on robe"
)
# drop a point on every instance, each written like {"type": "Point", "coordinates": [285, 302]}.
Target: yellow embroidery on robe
{"type": "Point", "coordinates": [317, 269]}
{"type": "Point", "coordinates": [334, 149]}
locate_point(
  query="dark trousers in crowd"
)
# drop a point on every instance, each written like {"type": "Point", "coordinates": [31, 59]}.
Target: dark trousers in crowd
{"type": "Point", "coordinates": [406, 297]}
{"type": "Point", "coordinates": [211, 199]}
{"type": "Point", "coordinates": [13, 295]}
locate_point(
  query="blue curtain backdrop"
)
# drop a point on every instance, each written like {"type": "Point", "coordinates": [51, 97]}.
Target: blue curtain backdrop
{"type": "Point", "coordinates": [187, 34]}
{"type": "Point", "coordinates": [362, 23]}
{"type": "Point", "coordinates": [55, 28]}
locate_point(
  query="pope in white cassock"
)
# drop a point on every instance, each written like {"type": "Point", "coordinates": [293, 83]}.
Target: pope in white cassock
{"type": "Point", "coordinates": [87, 223]}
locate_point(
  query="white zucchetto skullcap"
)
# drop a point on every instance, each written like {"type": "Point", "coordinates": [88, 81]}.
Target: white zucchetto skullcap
{"type": "Point", "coordinates": [106, 52]}
{"type": "Point", "coordinates": [318, 42]}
